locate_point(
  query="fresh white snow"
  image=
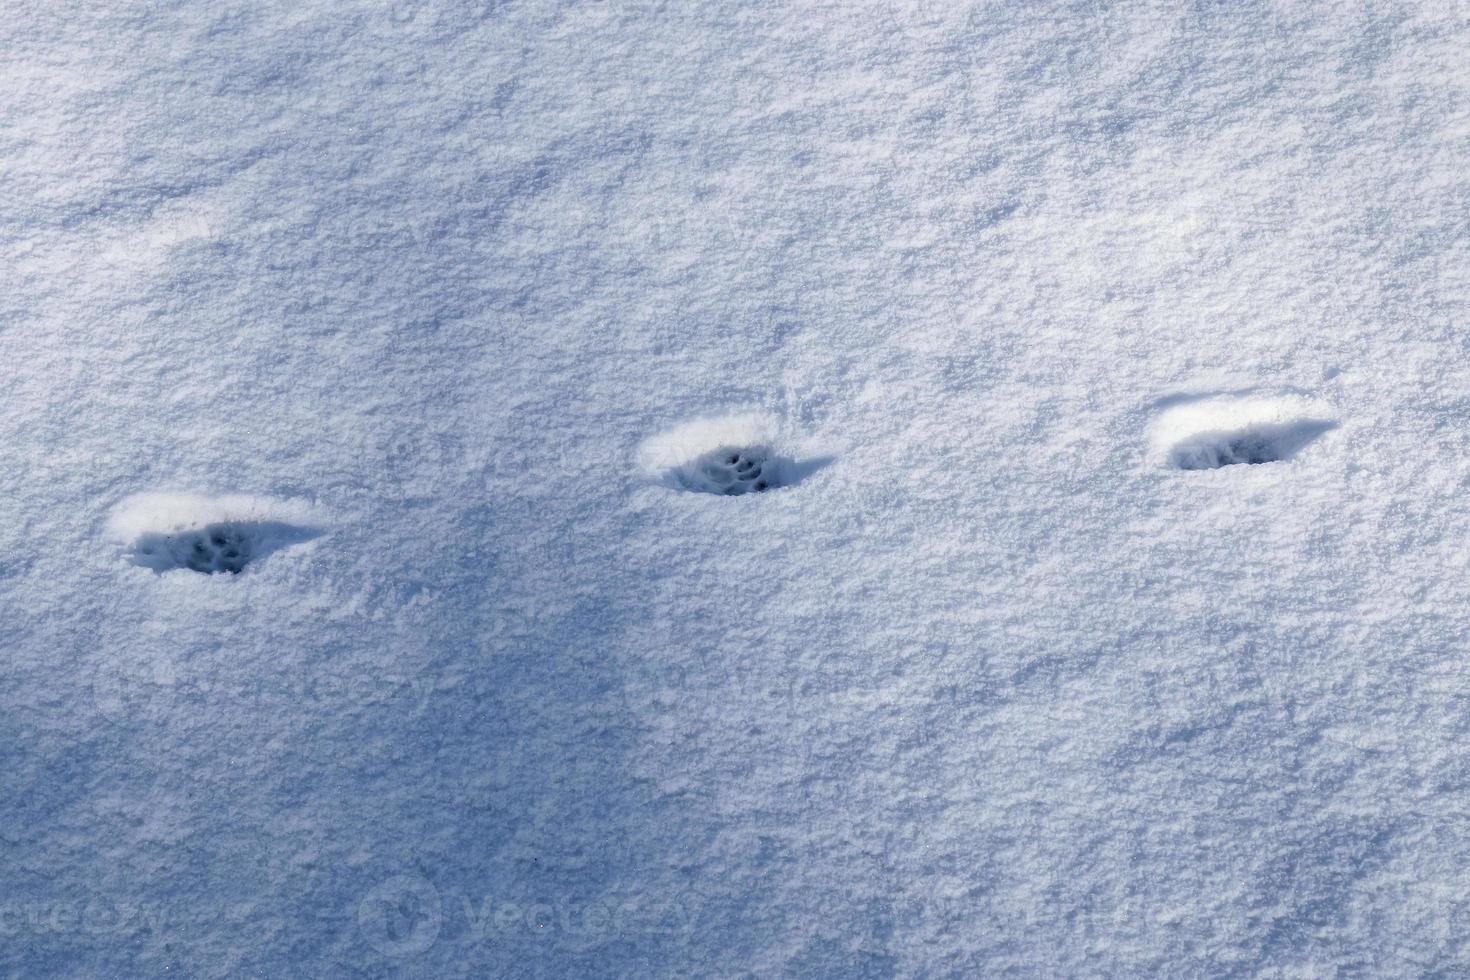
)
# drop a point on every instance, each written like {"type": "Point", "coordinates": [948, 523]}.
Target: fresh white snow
{"type": "Point", "coordinates": [440, 309]}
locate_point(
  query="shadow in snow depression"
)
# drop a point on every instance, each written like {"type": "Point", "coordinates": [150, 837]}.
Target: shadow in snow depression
{"type": "Point", "coordinates": [734, 470]}
{"type": "Point", "coordinates": [1250, 445]}
{"type": "Point", "coordinates": [226, 546]}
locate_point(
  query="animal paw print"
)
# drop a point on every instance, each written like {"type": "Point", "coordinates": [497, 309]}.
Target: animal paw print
{"type": "Point", "coordinates": [205, 535]}
{"type": "Point", "coordinates": [207, 550]}
{"type": "Point", "coordinates": [734, 471]}
{"type": "Point", "coordinates": [729, 456]}
{"type": "Point", "coordinates": [1212, 432]}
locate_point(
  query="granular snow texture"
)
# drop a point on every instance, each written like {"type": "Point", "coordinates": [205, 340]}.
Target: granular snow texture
{"type": "Point", "coordinates": [436, 312]}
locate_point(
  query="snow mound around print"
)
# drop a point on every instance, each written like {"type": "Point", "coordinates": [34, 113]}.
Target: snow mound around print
{"type": "Point", "coordinates": [1211, 432]}
{"type": "Point", "coordinates": [209, 535]}
{"type": "Point", "coordinates": [728, 456]}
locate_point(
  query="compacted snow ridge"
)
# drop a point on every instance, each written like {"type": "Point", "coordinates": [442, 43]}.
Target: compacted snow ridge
{"type": "Point", "coordinates": [603, 488]}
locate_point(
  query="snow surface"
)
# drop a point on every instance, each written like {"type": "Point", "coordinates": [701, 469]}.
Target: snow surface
{"type": "Point", "coordinates": [994, 687]}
